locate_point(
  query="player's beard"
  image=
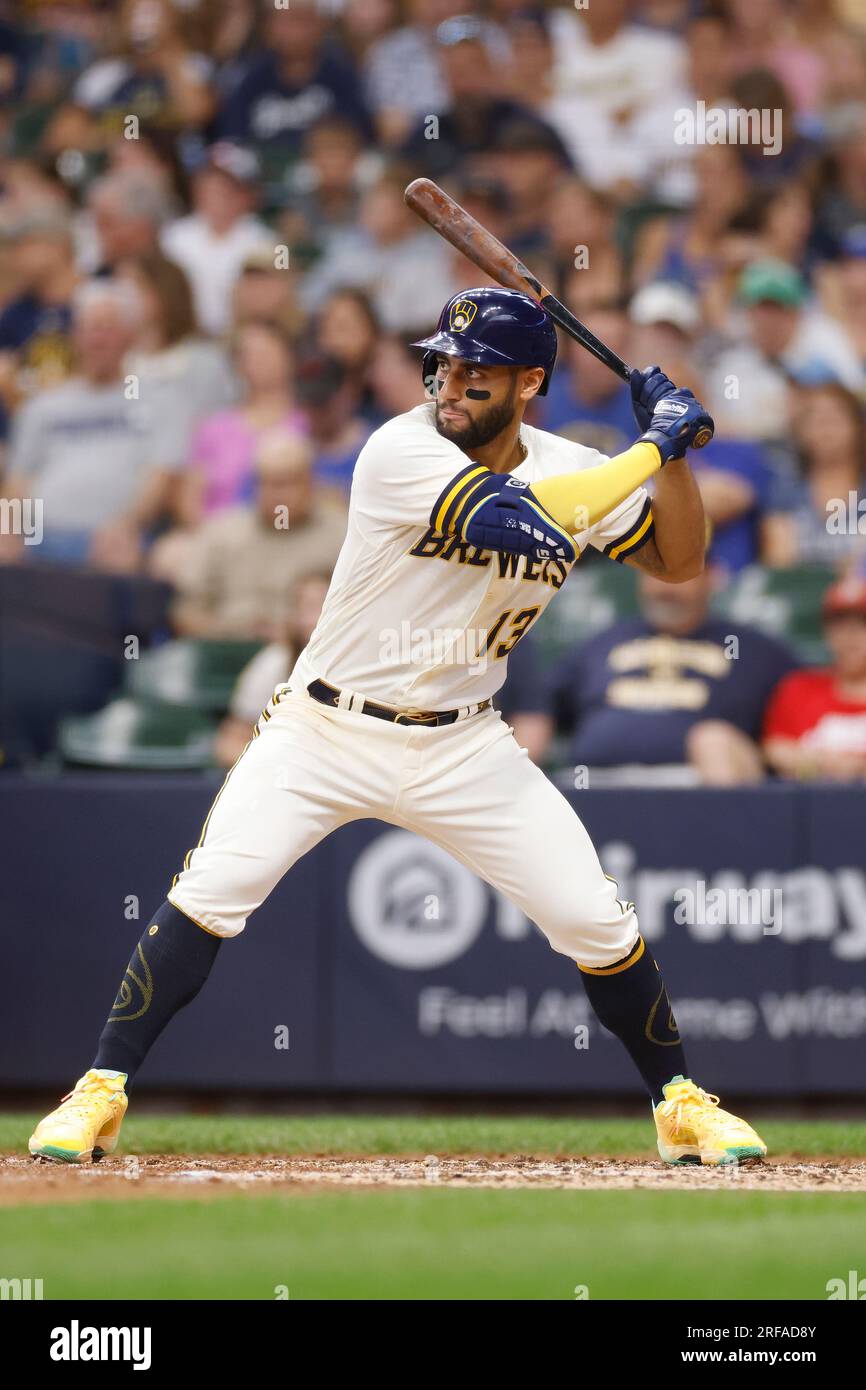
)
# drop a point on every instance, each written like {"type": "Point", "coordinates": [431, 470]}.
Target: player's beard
{"type": "Point", "coordinates": [483, 429]}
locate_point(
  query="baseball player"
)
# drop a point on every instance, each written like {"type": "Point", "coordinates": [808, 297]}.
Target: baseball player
{"type": "Point", "coordinates": [463, 524]}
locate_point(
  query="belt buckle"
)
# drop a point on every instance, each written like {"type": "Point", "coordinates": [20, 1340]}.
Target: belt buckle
{"type": "Point", "coordinates": [423, 716]}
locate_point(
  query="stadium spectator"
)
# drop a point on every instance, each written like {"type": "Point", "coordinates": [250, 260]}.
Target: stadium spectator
{"type": "Point", "coordinates": [35, 345]}
{"type": "Point", "coordinates": [402, 265]}
{"type": "Point", "coordinates": [31, 186]}
{"type": "Point", "coordinates": [527, 158]}
{"type": "Point", "coordinates": [128, 211]}
{"type": "Point", "coordinates": [581, 232]}
{"type": "Point", "coordinates": [270, 667]}
{"type": "Point", "coordinates": [733, 476]}
{"type": "Point", "coordinates": [674, 696]}
{"type": "Point", "coordinates": [224, 447]}
{"type": "Point", "coordinates": [485, 199]}
{"type": "Point", "coordinates": [666, 161]}
{"type": "Point", "coordinates": [845, 70]}
{"type": "Point", "coordinates": [666, 319]}
{"type": "Point", "coordinates": [154, 155]}
{"type": "Point", "coordinates": [241, 568]}
{"type": "Point", "coordinates": [846, 290]}
{"type": "Point", "coordinates": [710, 56]}
{"type": "Point", "coordinates": [364, 22]}
{"type": "Point", "coordinates": [791, 153]}
{"type": "Point", "coordinates": [395, 378]}
{"type": "Point", "coordinates": [841, 199]}
{"type": "Point", "coordinates": [651, 150]}
{"type": "Point", "coordinates": [233, 41]}
{"type": "Point", "coordinates": [476, 110]}
{"type": "Point", "coordinates": [609, 76]}
{"type": "Point", "coordinates": [266, 291]}
{"type": "Point", "coordinates": [70, 142]}
{"type": "Point", "coordinates": [155, 75]}
{"type": "Point", "coordinates": [298, 77]}
{"type": "Point", "coordinates": [88, 449]}
{"type": "Point", "coordinates": [404, 72]}
{"type": "Point", "coordinates": [815, 725]}
{"type": "Point", "coordinates": [765, 36]}
{"type": "Point", "coordinates": [324, 188]}
{"type": "Point", "coordinates": [587, 402]}
{"type": "Point", "coordinates": [211, 243]}
{"type": "Point", "coordinates": [529, 75]}
{"type": "Point", "coordinates": [783, 341]}
{"type": "Point", "coordinates": [736, 482]}
{"type": "Point", "coordinates": [181, 377]}
{"type": "Point", "coordinates": [693, 248]}
{"type": "Point", "coordinates": [784, 224]}
{"type": "Point", "coordinates": [330, 402]}
{"type": "Point", "coordinates": [814, 519]}
{"type": "Point", "coordinates": [347, 330]}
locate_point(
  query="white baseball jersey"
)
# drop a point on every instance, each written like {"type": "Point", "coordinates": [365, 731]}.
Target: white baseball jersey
{"type": "Point", "coordinates": [419, 620]}
{"type": "Point", "coordinates": [408, 612]}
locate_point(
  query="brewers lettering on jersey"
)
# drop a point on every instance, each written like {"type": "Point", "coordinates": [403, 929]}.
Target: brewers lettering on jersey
{"type": "Point", "coordinates": [464, 523]}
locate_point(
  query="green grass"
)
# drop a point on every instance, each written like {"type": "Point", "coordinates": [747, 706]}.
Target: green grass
{"type": "Point", "coordinates": [440, 1244]}
{"type": "Point", "coordinates": [436, 1242]}
{"type": "Point", "coordinates": [399, 1134]}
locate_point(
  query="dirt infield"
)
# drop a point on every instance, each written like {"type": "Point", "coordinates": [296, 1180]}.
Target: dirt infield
{"type": "Point", "coordinates": [24, 1181]}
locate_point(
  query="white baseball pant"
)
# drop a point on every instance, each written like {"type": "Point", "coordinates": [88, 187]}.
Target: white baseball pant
{"type": "Point", "coordinates": [467, 787]}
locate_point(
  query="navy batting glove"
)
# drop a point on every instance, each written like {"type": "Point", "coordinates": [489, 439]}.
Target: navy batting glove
{"type": "Point", "coordinates": [678, 422]}
{"type": "Point", "coordinates": [648, 387]}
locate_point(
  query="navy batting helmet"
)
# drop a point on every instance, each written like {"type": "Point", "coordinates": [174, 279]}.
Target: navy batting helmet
{"type": "Point", "coordinates": [495, 327]}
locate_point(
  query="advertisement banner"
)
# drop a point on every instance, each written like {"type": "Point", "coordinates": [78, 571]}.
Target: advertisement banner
{"type": "Point", "coordinates": [381, 964]}
{"type": "Point", "coordinates": [429, 959]}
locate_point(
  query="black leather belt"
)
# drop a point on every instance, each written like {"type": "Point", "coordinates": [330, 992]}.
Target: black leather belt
{"type": "Point", "coordinates": [330, 695]}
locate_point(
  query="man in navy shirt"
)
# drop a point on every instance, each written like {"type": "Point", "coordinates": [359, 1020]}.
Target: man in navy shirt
{"type": "Point", "coordinates": [675, 694]}
{"type": "Point", "coordinates": [292, 84]}
{"type": "Point", "coordinates": [479, 113]}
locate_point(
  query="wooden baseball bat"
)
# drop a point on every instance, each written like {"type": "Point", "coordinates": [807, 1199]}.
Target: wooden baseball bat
{"type": "Point", "coordinates": [481, 247]}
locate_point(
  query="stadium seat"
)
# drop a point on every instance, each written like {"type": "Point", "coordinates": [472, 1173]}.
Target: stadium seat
{"type": "Point", "coordinates": [138, 736]}
{"type": "Point", "coordinates": [784, 603]}
{"type": "Point", "coordinates": [192, 674]}
{"type": "Point", "coordinates": [54, 619]}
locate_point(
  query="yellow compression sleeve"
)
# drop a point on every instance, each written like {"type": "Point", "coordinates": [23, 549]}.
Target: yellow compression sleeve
{"type": "Point", "coordinates": [579, 500]}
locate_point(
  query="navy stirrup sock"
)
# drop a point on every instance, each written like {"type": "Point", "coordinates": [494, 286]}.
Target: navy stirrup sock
{"type": "Point", "coordinates": [630, 999]}
{"type": "Point", "coordinates": [168, 968]}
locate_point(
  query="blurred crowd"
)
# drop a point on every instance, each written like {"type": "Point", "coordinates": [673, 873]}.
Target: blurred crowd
{"type": "Point", "coordinates": [209, 281]}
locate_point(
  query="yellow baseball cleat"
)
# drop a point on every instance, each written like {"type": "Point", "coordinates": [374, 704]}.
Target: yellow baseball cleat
{"type": "Point", "coordinates": [86, 1123]}
{"type": "Point", "coordinates": [692, 1129]}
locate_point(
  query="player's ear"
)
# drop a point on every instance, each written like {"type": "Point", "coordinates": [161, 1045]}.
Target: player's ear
{"type": "Point", "coordinates": [531, 380]}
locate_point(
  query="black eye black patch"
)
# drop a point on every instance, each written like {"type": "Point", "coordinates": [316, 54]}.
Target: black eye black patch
{"type": "Point", "coordinates": [477, 395]}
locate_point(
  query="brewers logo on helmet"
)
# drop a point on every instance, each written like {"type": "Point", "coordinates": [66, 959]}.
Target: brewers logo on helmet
{"type": "Point", "coordinates": [461, 314]}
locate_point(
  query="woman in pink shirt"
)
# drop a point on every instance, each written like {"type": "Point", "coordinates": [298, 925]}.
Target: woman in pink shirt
{"type": "Point", "coordinates": [225, 444]}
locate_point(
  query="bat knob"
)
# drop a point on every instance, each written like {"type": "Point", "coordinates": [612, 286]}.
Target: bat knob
{"type": "Point", "coordinates": [702, 437]}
